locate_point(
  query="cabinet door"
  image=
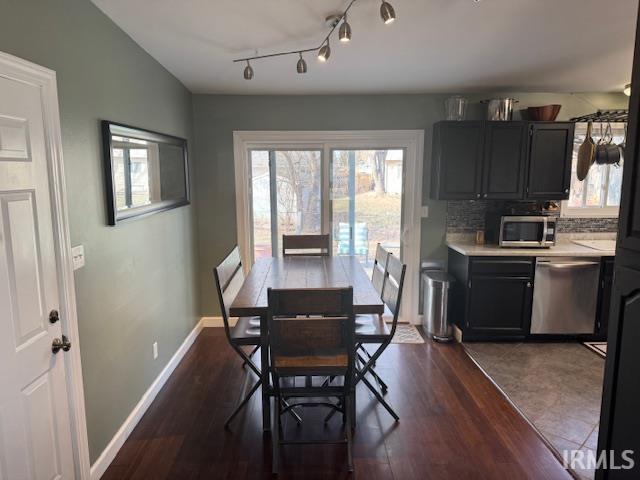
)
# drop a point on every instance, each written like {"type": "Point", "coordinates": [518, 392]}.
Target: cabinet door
{"type": "Point", "coordinates": [606, 284]}
{"type": "Point", "coordinates": [505, 154]}
{"type": "Point", "coordinates": [550, 153]}
{"type": "Point", "coordinates": [457, 160]}
{"type": "Point", "coordinates": [499, 305]}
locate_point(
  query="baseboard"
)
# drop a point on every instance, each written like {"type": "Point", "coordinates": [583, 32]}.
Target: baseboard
{"type": "Point", "coordinates": [215, 322]}
{"type": "Point", "coordinates": [109, 453]}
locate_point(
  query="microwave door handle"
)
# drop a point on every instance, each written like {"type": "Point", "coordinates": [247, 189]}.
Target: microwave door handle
{"type": "Point", "coordinates": [544, 231]}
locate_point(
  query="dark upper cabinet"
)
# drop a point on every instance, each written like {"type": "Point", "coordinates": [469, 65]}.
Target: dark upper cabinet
{"type": "Point", "coordinates": [457, 160]}
{"type": "Point", "coordinates": [501, 160]}
{"type": "Point", "coordinates": [505, 156]}
{"type": "Point", "coordinates": [550, 153]}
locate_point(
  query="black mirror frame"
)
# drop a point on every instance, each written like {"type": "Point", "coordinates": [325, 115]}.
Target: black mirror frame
{"type": "Point", "coordinates": [113, 216]}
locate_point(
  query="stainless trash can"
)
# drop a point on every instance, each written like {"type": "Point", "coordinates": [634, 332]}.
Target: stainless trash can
{"type": "Point", "coordinates": [436, 285]}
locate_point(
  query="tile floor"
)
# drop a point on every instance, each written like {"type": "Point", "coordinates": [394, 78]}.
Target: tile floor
{"type": "Point", "coordinates": [557, 386]}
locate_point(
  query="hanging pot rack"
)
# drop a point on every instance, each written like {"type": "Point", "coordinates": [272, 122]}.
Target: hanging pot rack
{"type": "Point", "coordinates": [604, 116]}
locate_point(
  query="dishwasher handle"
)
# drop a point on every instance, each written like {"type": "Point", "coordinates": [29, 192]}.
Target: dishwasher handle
{"type": "Point", "coordinates": [563, 266]}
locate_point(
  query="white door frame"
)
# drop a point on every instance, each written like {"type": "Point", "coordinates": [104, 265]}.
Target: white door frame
{"type": "Point", "coordinates": [17, 69]}
{"type": "Point", "coordinates": [412, 141]}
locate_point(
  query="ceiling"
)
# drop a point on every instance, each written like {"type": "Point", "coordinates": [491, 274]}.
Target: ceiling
{"type": "Point", "coordinates": [433, 46]}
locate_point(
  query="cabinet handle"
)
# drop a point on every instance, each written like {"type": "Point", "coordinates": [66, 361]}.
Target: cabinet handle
{"type": "Point", "coordinates": [477, 195]}
{"type": "Point", "coordinates": [566, 190]}
{"type": "Point", "coordinates": [528, 284]}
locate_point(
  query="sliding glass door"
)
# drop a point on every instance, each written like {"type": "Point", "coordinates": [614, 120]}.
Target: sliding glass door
{"type": "Point", "coordinates": [366, 201]}
{"type": "Point", "coordinates": [286, 196]}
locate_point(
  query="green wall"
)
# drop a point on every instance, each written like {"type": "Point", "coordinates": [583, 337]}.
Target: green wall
{"type": "Point", "coordinates": [138, 285]}
{"type": "Point", "coordinates": [217, 116]}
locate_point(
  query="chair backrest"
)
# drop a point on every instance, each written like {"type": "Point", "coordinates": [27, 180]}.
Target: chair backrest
{"type": "Point", "coordinates": [379, 269]}
{"type": "Point", "coordinates": [311, 322]}
{"type": "Point", "coordinates": [229, 278]}
{"type": "Point", "coordinates": [316, 245]}
{"type": "Point", "coordinates": [393, 285]}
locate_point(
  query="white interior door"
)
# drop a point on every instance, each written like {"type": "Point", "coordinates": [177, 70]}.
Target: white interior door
{"type": "Point", "coordinates": [35, 433]}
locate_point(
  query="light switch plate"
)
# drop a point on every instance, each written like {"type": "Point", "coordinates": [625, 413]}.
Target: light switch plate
{"type": "Point", "coordinates": [155, 350]}
{"type": "Point", "coordinates": [425, 211]}
{"type": "Point", "coordinates": [77, 254]}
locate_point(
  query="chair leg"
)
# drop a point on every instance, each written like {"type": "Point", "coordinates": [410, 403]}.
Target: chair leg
{"type": "Point", "coordinates": [349, 433]}
{"type": "Point", "coordinates": [383, 386]}
{"type": "Point", "coordinates": [255, 349]}
{"type": "Point", "coordinates": [275, 436]}
{"type": "Point", "coordinates": [242, 403]}
{"type": "Point", "coordinates": [380, 398]}
{"type": "Point", "coordinates": [295, 416]}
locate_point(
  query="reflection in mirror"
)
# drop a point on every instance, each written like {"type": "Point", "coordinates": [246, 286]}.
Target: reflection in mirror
{"type": "Point", "coordinates": [147, 171]}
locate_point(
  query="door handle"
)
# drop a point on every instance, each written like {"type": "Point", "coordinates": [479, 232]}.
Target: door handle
{"type": "Point", "coordinates": [560, 266]}
{"type": "Point", "coordinates": [58, 344]}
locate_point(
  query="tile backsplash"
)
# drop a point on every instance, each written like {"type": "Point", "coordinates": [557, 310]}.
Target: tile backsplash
{"type": "Point", "coordinates": [467, 216]}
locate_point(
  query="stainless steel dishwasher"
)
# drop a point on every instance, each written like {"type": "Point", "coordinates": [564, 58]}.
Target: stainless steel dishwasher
{"type": "Point", "coordinates": [565, 295]}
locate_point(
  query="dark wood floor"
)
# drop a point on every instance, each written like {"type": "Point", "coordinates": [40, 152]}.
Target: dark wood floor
{"type": "Point", "coordinates": [454, 424]}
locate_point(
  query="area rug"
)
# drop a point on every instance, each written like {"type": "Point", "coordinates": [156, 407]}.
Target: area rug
{"type": "Point", "coordinates": [599, 347]}
{"type": "Point", "coordinates": [406, 333]}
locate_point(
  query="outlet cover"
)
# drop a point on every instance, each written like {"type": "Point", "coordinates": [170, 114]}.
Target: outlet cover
{"type": "Point", "coordinates": [155, 350]}
{"type": "Point", "coordinates": [77, 255]}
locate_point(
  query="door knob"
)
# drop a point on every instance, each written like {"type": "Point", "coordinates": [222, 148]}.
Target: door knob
{"type": "Point", "coordinates": [54, 316]}
{"type": "Point", "coordinates": [64, 344]}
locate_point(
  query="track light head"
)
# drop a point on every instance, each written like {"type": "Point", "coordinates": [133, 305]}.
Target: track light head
{"type": "Point", "coordinates": [325, 52]}
{"type": "Point", "coordinates": [248, 71]}
{"type": "Point", "coordinates": [387, 12]}
{"type": "Point", "coordinates": [344, 34]}
{"type": "Point", "coordinates": [301, 67]}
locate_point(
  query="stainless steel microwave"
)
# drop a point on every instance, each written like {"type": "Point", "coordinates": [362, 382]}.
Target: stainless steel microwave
{"type": "Point", "coordinates": [530, 231]}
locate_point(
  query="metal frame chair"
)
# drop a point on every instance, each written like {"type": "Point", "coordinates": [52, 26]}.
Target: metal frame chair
{"type": "Point", "coordinates": [306, 245]}
{"type": "Point", "coordinates": [311, 334]}
{"type": "Point", "coordinates": [377, 331]}
{"type": "Point", "coordinates": [228, 277]}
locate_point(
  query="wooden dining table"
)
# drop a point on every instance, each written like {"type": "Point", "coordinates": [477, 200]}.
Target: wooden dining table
{"type": "Point", "coordinates": [299, 272]}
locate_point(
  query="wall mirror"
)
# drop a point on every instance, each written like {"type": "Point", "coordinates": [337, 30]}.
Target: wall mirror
{"type": "Point", "coordinates": [146, 172]}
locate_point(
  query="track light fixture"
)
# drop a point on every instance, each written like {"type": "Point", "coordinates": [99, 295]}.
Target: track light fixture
{"type": "Point", "coordinates": [387, 13]}
{"type": "Point", "coordinates": [344, 34]}
{"type": "Point", "coordinates": [248, 71]}
{"type": "Point", "coordinates": [325, 52]}
{"type": "Point", "coordinates": [301, 67]}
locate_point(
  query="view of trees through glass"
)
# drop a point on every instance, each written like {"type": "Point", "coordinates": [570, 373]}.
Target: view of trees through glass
{"type": "Point", "coordinates": [365, 196]}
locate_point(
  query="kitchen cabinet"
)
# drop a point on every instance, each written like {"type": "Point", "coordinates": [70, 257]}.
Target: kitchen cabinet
{"type": "Point", "coordinates": [457, 160]}
{"type": "Point", "coordinates": [550, 155]}
{"type": "Point", "coordinates": [604, 297]}
{"type": "Point", "coordinates": [501, 160]}
{"type": "Point", "coordinates": [492, 295]}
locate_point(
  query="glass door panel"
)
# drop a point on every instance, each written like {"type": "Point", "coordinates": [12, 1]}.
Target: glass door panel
{"type": "Point", "coordinates": [261, 203]}
{"type": "Point", "coordinates": [286, 192]}
{"type": "Point", "coordinates": [366, 193]}
{"type": "Point", "coordinates": [298, 192]}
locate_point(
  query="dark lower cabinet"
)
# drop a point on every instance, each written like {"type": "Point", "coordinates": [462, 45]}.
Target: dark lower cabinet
{"type": "Point", "coordinates": [499, 305]}
{"type": "Point", "coordinates": [492, 296]}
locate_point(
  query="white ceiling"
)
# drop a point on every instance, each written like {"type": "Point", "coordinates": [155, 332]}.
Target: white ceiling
{"type": "Point", "coordinates": [434, 46]}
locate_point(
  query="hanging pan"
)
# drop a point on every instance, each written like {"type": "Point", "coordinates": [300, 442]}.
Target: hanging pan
{"type": "Point", "coordinates": [586, 154]}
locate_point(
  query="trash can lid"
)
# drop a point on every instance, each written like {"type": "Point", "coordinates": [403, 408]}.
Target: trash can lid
{"type": "Point", "coordinates": [438, 277]}
{"type": "Point", "coordinates": [429, 265]}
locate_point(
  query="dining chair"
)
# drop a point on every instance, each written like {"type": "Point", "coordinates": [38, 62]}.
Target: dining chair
{"type": "Point", "coordinates": [229, 277]}
{"type": "Point", "coordinates": [307, 245]}
{"type": "Point", "coordinates": [374, 329]}
{"type": "Point", "coordinates": [311, 335]}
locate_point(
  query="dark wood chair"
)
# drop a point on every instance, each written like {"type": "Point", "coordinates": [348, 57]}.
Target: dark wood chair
{"type": "Point", "coordinates": [306, 245]}
{"type": "Point", "coordinates": [374, 329]}
{"type": "Point", "coordinates": [229, 277]}
{"type": "Point", "coordinates": [311, 335]}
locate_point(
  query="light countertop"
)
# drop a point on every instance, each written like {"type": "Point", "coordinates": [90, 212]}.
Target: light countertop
{"type": "Point", "coordinates": [563, 248]}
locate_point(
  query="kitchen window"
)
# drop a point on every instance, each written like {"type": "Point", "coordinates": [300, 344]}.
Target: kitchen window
{"type": "Point", "coordinates": [598, 195]}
